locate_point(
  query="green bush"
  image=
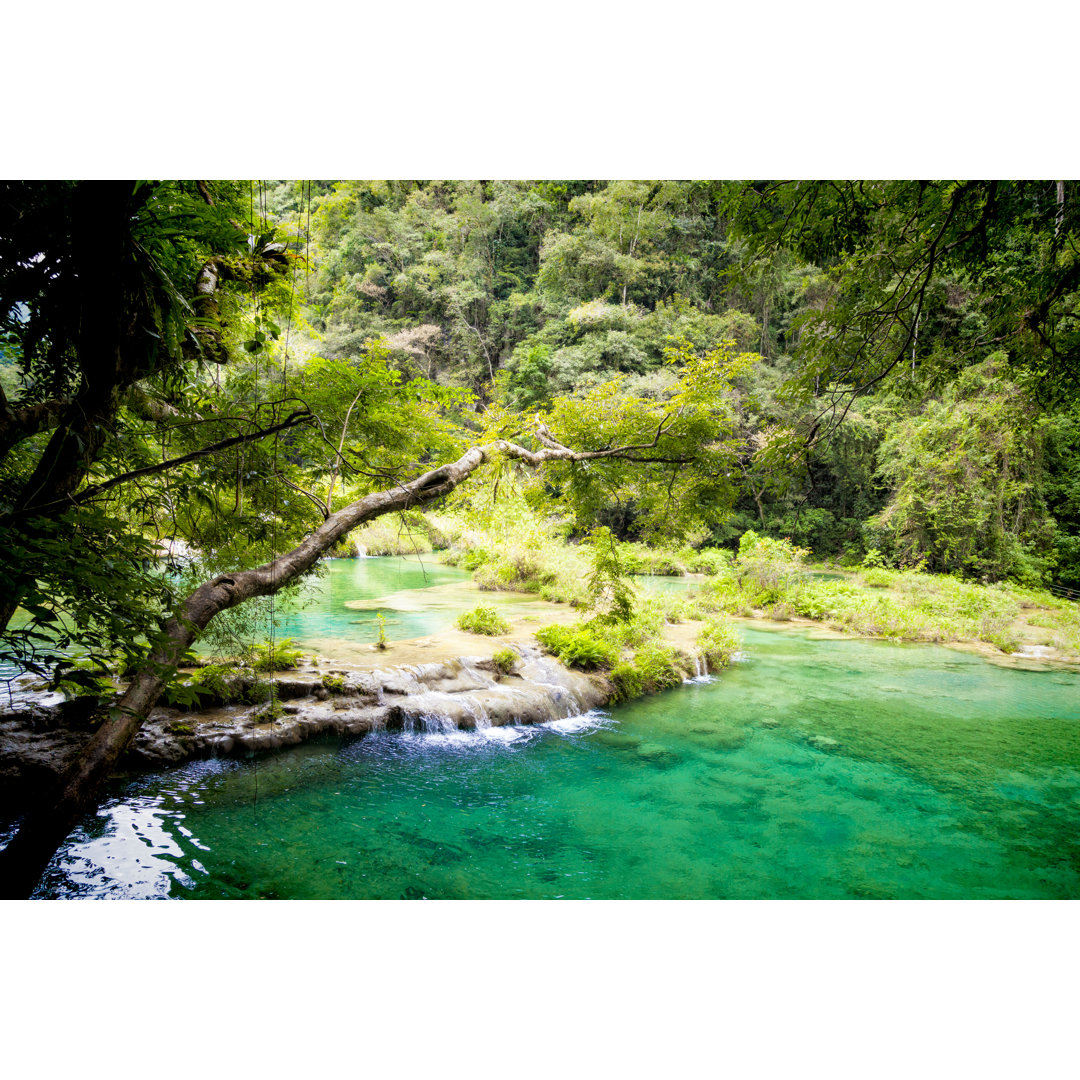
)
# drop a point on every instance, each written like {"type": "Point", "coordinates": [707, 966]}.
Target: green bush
{"type": "Point", "coordinates": [627, 681]}
{"type": "Point", "coordinates": [473, 558]}
{"type": "Point", "coordinates": [217, 680]}
{"type": "Point", "coordinates": [717, 642]}
{"type": "Point", "coordinates": [505, 659]}
{"type": "Point", "coordinates": [577, 646]}
{"type": "Point", "coordinates": [659, 667]}
{"type": "Point", "coordinates": [210, 686]}
{"type": "Point", "coordinates": [276, 656]}
{"type": "Point", "coordinates": [767, 568]}
{"type": "Point", "coordinates": [483, 620]}
{"type": "Point", "coordinates": [709, 561]}
{"type": "Point", "coordinates": [272, 710]}
{"type": "Point", "coordinates": [878, 578]}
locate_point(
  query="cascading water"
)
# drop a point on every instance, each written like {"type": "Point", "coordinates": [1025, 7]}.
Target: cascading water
{"type": "Point", "coordinates": [701, 671]}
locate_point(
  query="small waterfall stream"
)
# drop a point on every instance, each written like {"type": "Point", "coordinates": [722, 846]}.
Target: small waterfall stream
{"type": "Point", "coordinates": [468, 694]}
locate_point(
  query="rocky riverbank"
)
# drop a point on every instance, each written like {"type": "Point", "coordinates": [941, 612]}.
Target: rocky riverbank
{"type": "Point", "coordinates": [42, 734]}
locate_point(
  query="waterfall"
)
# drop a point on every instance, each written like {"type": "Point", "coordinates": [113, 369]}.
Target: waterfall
{"type": "Point", "coordinates": [436, 698]}
{"type": "Point", "coordinates": [479, 714]}
{"type": "Point", "coordinates": [701, 670]}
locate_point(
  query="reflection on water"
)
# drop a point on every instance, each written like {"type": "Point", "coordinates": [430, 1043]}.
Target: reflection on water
{"type": "Point", "coordinates": [817, 768]}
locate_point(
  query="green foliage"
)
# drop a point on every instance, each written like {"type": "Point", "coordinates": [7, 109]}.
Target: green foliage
{"type": "Point", "coordinates": [335, 683]}
{"type": "Point", "coordinates": [483, 620]}
{"type": "Point", "coordinates": [474, 558]}
{"type": "Point", "coordinates": [659, 666]}
{"type": "Point", "coordinates": [381, 643]}
{"type": "Point", "coordinates": [615, 313]}
{"type": "Point", "coordinates": [268, 713]}
{"type": "Point", "coordinates": [504, 660]}
{"type": "Point", "coordinates": [718, 642]}
{"type": "Point", "coordinates": [609, 590]}
{"type": "Point", "coordinates": [767, 569]}
{"type": "Point", "coordinates": [628, 681]}
{"type": "Point", "coordinates": [276, 655]}
{"type": "Point", "coordinates": [215, 685]}
{"type": "Point", "coordinates": [82, 678]}
{"type": "Point", "coordinates": [892, 248]}
{"type": "Point", "coordinates": [217, 681]}
{"type": "Point", "coordinates": [578, 646]}
{"type": "Point", "coordinates": [965, 475]}
{"type": "Point", "coordinates": [878, 578]}
{"type": "Point", "coordinates": [512, 547]}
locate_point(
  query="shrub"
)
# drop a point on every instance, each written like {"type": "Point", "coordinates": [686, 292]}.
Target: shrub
{"type": "Point", "coordinates": [269, 712]}
{"type": "Point", "coordinates": [212, 685]}
{"type": "Point", "coordinates": [717, 642]}
{"type": "Point", "coordinates": [659, 667]}
{"type": "Point", "coordinates": [505, 659]}
{"type": "Point", "coordinates": [768, 568]}
{"type": "Point", "coordinates": [483, 620]}
{"type": "Point", "coordinates": [577, 646]}
{"type": "Point", "coordinates": [878, 578]}
{"type": "Point", "coordinates": [998, 631]}
{"type": "Point", "coordinates": [473, 558]}
{"type": "Point", "coordinates": [627, 681]}
{"type": "Point", "coordinates": [276, 656]}
{"type": "Point", "coordinates": [709, 561]}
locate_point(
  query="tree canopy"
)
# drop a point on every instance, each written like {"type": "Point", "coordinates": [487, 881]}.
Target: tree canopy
{"type": "Point", "coordinates": [246, 371]}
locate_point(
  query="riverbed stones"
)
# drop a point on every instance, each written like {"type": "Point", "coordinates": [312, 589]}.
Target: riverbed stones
{"type": "Point", "coordinates": [657, 754]}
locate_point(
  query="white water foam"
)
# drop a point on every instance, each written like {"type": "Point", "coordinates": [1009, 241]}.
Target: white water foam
{"type": "Point", "coordinates": [580, 724]}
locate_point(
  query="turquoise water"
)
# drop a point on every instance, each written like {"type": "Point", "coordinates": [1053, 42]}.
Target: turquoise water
{"type": "Point", "coordinates": [817, 768]}
{"type": "Point", "coordinates": [415, 596]}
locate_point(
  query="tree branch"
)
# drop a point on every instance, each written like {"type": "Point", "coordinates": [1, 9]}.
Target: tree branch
{"type": "Point", "coordinates": [43, 829]}
{"type": "Point", "coordinates": [95, 490]}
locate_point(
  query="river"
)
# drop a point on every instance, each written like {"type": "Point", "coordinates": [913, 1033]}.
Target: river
{"type": "Point", "coordinates": [817, 767]}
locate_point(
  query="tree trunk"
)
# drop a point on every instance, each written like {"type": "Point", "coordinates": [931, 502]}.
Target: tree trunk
{"type": "Point", "coordinates": [24, 859]}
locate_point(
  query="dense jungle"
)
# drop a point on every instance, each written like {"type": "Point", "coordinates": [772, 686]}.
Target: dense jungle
{"type": "Point", "coordinates": [852, 404]}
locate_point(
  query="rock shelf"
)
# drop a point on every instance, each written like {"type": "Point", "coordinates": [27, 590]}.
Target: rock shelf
{"type": "Point", "coordinates": [468, 692]}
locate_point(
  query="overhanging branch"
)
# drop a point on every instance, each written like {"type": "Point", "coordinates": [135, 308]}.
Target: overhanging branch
{"type": "Point", "coordinates": [95, 490]}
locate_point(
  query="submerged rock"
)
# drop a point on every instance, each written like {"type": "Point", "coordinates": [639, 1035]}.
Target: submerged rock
{"type": "Point", "coordinates": [657, 754]}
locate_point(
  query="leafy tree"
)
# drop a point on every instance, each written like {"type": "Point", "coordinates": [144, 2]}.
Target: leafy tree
{"type": "Point", "coordinates": [885, 245]}
{"type": "Point", "coordinates": [967, 482]}
{"type": "Point", "coordinates": [110, 294]}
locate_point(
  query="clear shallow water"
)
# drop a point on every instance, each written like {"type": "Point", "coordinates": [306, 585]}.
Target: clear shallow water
{"type": "Point", "coordinates": [818, 768]}
{"type": "Point", "coordinates": [415, 596]}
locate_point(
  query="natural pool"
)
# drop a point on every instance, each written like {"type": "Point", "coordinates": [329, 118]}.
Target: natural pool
{"type": "Point", "coordinates": [818, 767]}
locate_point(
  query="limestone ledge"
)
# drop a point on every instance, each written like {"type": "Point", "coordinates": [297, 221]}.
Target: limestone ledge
{"type": "Point", "coordinates": [37, 741]}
